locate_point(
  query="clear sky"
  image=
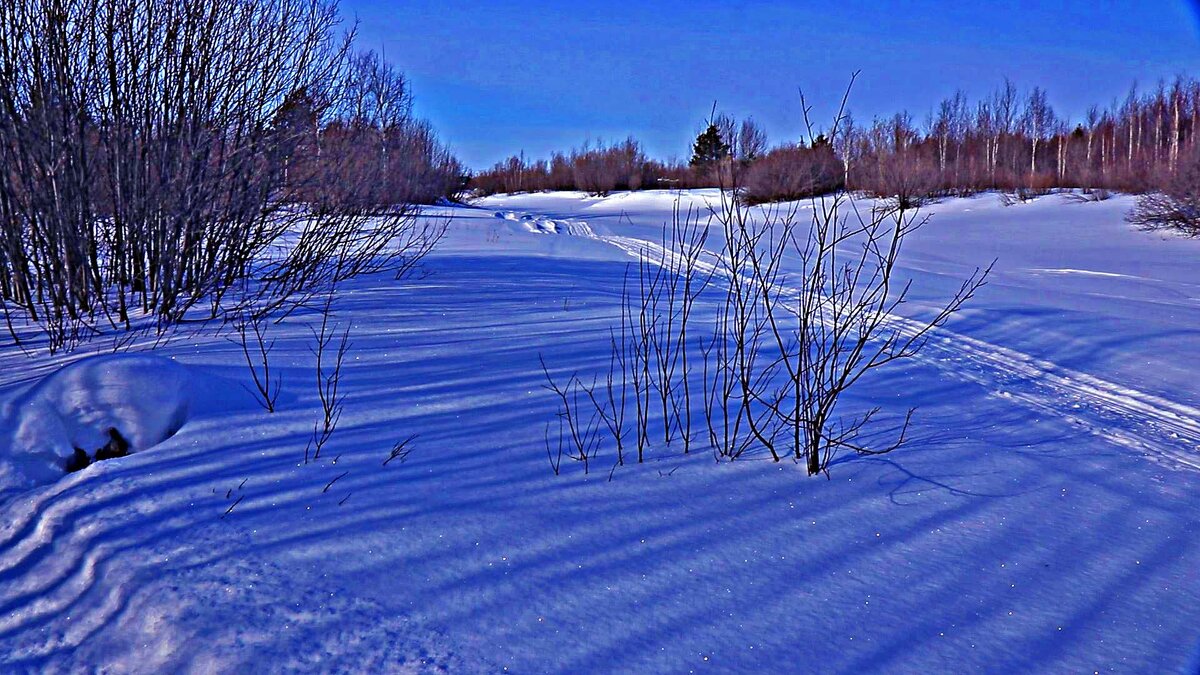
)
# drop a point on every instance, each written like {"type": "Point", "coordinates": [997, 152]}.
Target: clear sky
{"type": "Point", "coordinates": [499, 77]}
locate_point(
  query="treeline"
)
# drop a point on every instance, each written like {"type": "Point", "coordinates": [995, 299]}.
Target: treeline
{"type": "Point", "coordinates": [597, 168]}
{"type": "Point", "coordinates": [1009, 141]}
{"type": "Point", "coordinates": [152, 155]}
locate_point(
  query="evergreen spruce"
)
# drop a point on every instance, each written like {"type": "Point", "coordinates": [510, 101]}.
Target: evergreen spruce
{"type": "Point", "coordinates": [709, 147]}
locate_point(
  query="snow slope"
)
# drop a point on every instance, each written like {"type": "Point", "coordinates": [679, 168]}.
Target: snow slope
{"type": "Point", "coordinates": [1042, 520]}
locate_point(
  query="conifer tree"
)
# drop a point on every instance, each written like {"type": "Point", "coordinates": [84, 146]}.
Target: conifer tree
{"type": "Point", "coordinates": [709, 147]}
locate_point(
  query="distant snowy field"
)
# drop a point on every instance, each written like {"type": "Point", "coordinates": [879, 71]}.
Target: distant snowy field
{"type": "Point", "coordinates": [1045, 517]}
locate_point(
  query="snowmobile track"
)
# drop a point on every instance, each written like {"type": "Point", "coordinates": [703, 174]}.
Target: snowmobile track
{"type": "Point", "coordinates": [1161, 429]}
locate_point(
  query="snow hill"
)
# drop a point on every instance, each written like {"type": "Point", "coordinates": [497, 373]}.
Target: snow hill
{"type": "Point", "coordinates": [1042, 520]}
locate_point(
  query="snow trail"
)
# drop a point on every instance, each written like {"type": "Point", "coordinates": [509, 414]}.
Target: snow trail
{"type": "Point", "coordinates": [1163, 430]}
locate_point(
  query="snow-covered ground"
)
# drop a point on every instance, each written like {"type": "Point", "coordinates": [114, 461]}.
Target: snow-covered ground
{"type": "Point", "coordinates": [1043, 518]}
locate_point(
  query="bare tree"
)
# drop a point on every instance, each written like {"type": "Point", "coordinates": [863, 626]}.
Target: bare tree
{"type": "Point", "coordinates": [751, 141]}
{"type": "Point", "coordinates": [1039, 122]}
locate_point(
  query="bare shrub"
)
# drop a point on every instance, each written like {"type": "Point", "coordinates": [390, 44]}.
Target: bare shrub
{"type": "Point", "coordinates": [737, 415]}
{"type": "Point", "coordinates": [890, 163]}
{"type": "Point", "coordinates": [154, 156]}
{"type": "Point", "coordinates": [844, 324]}
{"type": "Point", "coordinates": [256, 350]}
{"type": "Point", "coordinates": [805, 309]}
{"type": "Point", "coordinates": [578, 423]}
{"type": "Point", "coordinates": [600, 170]}
{"type": "Point", "coordinates": [611, 403]}
{"type": "Point", "coordinates": [330, 357]}
{"type": "Point", "coordinates": [671, 279]}
{"type": "Point", "coordinates": [1177, 207]}
{"type": "Point", "coordinates": [168, 188]}
{"type": "Point", "coordinates": [791, 173]}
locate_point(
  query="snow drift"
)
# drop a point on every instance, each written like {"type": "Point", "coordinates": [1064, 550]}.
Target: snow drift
{"type": "Point", "coordinates": [146, 398]}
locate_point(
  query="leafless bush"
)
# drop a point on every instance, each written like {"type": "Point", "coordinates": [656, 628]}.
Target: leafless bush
{"type": "Point", "coordinates": [597, 169]}
{"type": "Point", "coordinates": [578, 423]}
{"type": "Point", "coordinates": [679, 279]}
{"type": "Point", "coordinates": [256, 349]}
{"type": "Point", "coordinates": [843, 322]}
{"type": "Point", "coordinates": [154, 155]}
{"type": "Point", "coordinates": [611, 403]}
{"type": "Point", "coordinates": [605, 168]}
{"type": "Point", "coordinates": [328, 371]}
{"type": "Point", "coordinates": [791, 173]}
{"type": "Point", "coordinates": [165, 189]}
{"type": "Point", "coordinates": [805, 310]}
{"type": "Point", "coordinates": [1177, 207]}
{"type": "Point", "coordinates": [902, 176]}
{"type": "Point", "coordinates": [736, 412]}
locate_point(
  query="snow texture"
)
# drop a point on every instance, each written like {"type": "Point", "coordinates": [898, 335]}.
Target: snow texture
{"type": "Point", "coordinates": [1043, 519]}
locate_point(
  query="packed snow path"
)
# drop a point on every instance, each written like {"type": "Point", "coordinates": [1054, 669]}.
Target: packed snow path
{"type": "Point", "coordinates": [1153, 425]}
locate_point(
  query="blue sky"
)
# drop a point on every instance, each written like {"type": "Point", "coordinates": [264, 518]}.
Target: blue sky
{"type": "Point", "coordinates": [499, 77]}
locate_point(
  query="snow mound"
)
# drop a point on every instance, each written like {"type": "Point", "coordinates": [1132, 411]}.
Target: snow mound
{"type": "Point", "coordinates": [145, 398]}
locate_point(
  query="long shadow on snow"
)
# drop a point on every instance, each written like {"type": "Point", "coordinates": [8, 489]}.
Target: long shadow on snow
{"type": "Point", "coordinates": [521, 479]}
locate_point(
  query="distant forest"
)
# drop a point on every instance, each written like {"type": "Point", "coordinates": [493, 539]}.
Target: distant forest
{"type": "Point", "coordinates": [1009, 141]}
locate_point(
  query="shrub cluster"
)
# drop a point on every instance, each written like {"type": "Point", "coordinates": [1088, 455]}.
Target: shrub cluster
{"type": "Point", "coordinates": [152, 154]}
{"type": "Point", "coordinates": [1177, 206]}
{"type": "Point", "coordinates": [793, 172]}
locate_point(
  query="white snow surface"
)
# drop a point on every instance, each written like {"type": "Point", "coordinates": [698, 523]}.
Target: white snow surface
{"type": "Point", "coordinates": [145, 398]}
{"type": "Point", "coordinates": [1042, 520]}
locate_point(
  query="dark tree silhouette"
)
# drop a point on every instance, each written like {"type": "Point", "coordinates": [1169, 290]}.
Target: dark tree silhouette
{"type": "Point", "coordinates": [710, 148]}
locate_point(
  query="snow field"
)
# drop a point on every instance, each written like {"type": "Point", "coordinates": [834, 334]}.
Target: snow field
{"type": "Point", "coordinates": [1041, 521]}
